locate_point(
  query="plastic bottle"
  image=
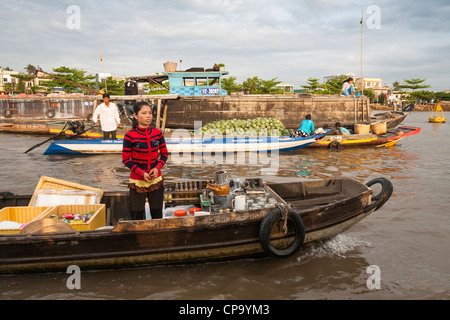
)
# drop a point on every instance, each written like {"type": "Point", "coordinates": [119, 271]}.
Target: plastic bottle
{"type": "Point", "coordinates": [148, 214]}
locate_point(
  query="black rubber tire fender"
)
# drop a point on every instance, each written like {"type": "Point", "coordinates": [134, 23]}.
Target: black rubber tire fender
{"type": "Point", "coordinates": [265, 231]}
{"type": "Point", "coordinates": [7, 113]}
{"type": "Point", "coordinates": [50, 113]}
{"type": "Point", "coordinates": [380, 199]}
{"type": "Point", "coordinates": [334, 143]}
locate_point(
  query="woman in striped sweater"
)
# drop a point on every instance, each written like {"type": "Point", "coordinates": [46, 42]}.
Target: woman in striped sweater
{"type": "Point", "coordinates": [145, 153]}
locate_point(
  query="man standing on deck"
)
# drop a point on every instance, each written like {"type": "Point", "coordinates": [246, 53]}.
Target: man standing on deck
{"type": "Point", "coordinates": [109, 118]}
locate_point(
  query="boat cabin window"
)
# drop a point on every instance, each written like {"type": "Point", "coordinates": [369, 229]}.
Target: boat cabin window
{"type": "Point", "coordinates": [200, 81]}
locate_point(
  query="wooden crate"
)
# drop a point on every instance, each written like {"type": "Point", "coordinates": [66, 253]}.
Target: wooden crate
{"type": "Point", "coordinates": [53, 192]}
{"type": "Point", "coordinates": [21, 215]}
{"type": "Point", "coordinates": [98, 219]}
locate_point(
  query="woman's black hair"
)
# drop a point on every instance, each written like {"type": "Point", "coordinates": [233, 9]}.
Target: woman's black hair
{"type": "Point", "coordinates": [308, 117]}
{"type": "Point", "coordinates": [137, 107]}
{"type": "Point", "coordinates": [348, 79]}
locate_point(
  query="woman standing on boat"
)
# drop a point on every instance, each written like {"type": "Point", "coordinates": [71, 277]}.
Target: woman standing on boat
{"type": "Point", "coordinates": [145, 153]}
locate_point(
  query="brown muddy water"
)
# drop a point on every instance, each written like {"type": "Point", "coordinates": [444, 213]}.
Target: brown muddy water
{"type": "Point", "coordinates": [407, 240]}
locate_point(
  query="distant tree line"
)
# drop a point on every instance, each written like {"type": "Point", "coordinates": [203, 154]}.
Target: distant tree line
{"type": "Point", "coordinates": [253, 85]}
{"type": "Point", "coordinates": [334, 85]}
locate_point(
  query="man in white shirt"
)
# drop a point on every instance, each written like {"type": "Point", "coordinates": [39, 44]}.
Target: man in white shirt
{"type": "Point", "coordinates": [109, 118]}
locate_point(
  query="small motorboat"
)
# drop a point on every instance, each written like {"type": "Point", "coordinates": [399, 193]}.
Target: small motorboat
{"type": "Point", "coordinates": [388, 139]}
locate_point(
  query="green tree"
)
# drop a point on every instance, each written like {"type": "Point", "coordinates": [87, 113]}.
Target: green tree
{"type": "Point", "coordinates": [370, 93]}
{"type": "Point", "coordinates": [443, 96]}
{"type": "Point", "coordinates": [114, 87]}
{"type": "Point", "coordinates": [312, 84]}
{"type": "Point", "coordinates": [251, 85]}
{"type": "Point", "coordinates": [20, 86]}
{"type": "Point", "coordinates": [269, 86]}
{"type": "Point", "coordinates": [73, 75]}
{"type": "Point", "coordinates": [30, 69]}
{"type": "Point", "coordinates": [258, 86]}
{"type": "Point", "coordinates": [396, 86]}
{"type": "Point", "coordinates": [230, 85]}
{"type": "Point", "coordinates": [425, 96]}
{"type": "Point", "coordinates": [414, 84]}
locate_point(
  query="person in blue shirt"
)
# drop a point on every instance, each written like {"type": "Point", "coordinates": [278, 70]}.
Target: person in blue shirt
{"type": "Point", "coordinates": [341, 130]}
{"type": "Point", "coordinates": [306, 128]}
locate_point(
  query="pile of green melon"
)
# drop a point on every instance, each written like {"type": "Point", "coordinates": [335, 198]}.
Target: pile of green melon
{"type": "Point", "coordinates": [250, 127]}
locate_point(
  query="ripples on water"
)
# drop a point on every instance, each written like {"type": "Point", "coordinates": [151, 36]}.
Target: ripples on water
{"type": "Point", "coordinates": [408, 238]}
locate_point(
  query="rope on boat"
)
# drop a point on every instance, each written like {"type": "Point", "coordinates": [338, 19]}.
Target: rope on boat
{"type": "Point", "coordinates": [284, 208]}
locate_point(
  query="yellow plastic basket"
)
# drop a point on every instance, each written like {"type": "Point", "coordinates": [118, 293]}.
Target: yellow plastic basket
{"type": "Point", "coordinates": [98, 219]}
{"type": "Point", "coordinates": [21, 215]}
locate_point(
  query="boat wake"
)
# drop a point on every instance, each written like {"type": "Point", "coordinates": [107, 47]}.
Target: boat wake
{"type": "Point", "coordinates": [339, 246]}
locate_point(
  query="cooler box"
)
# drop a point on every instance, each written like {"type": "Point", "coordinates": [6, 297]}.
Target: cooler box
{"type": "Point", "coordinates": [97, 220]}
{"type": "Point", "coordinates": [20, 215]}
{"type": "Point", "coordinates": [54, 192]}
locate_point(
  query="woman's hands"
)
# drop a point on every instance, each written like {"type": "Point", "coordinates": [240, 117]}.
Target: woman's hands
{"type": "Point", "coordinates": [152, 175]}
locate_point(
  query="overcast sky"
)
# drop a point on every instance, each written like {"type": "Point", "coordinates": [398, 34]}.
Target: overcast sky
{"type": "Point", "coordinates": [290, 40]}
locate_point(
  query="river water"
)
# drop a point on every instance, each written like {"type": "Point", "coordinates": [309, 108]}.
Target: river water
{"type": "Point", "coordinates": [407, 241]}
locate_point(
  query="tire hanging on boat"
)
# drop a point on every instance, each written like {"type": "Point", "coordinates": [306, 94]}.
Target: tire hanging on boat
{"type": "Point", "coordinates": [334, 143]}
{"type": "Point", "coordinates": [380, 199]}
{"type": "Point", "coordinates": [265, 231]}
{"type": "Point", "coordinates": [50, 113]}
{"type": "Point", "coordinates": [7, 113]}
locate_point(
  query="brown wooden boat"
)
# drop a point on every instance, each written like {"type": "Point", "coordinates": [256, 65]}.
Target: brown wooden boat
{"type": "Point", "coordinates": [305, 212]}
{"type": "Point", "coordinates": [393, 118]}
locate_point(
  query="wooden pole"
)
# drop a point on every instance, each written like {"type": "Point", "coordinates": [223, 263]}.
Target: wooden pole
{"type": "Point", "coordinates": [158, 115]}
{"type": "Point", "coordinates": [163, 126]}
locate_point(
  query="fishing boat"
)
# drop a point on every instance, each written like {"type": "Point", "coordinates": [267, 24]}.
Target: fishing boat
{"type": "Point", "coordinates": [388, 139]}
{"type": "Point", "coordinates": [189, 144]}
{"type": "Point", "coordinates": [438, 115]}
{"type": "Point", "coordinates": [303, 212]}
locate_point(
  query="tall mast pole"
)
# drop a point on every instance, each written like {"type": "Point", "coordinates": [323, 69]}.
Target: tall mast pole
{"type": "Point", "coordinates": [362, 77]}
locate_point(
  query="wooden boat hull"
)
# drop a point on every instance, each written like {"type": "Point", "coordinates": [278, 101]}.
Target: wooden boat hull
{"type": "Point", "coordinates": [188, 145]}
{"type": "Point", "coordinates": [390, 138]}
{"type": "Point", "coordinates": [393, 118]}
{"type": "Point", "coordinates": [327, 208]}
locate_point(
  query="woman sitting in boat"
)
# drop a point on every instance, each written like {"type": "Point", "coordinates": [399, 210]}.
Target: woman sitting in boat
{"type": "Point", "coordinates": [145, 153]}
{"type": "Point", "coordinates": [306, 128]}
{"type": "Point", "coordinates": [341, 130]}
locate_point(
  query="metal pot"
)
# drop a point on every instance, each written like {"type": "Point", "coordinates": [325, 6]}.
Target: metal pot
{"type": "Point", "coordinates": [221, 177]}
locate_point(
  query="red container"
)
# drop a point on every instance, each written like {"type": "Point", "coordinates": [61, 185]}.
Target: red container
{"type": "Point", "coordinates": [192, 211]}
{"type": "Point", "coordinates": [180, 213]}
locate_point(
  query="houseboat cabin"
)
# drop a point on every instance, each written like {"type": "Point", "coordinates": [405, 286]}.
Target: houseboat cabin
{"type": "Point", "coordinates": [200, 83]}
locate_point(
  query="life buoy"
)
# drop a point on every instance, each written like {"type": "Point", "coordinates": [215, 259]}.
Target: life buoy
{"type": "Point", "coordinates": [265, 231]}
{"type": "Point", "coordinates": [50, 113]}
{"type": "Point", "coordinates": [380, 199]}
{"type": "Point", "coordinates": [7, 113]}
{"type": "Point", "coordinates": [334, 143]}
